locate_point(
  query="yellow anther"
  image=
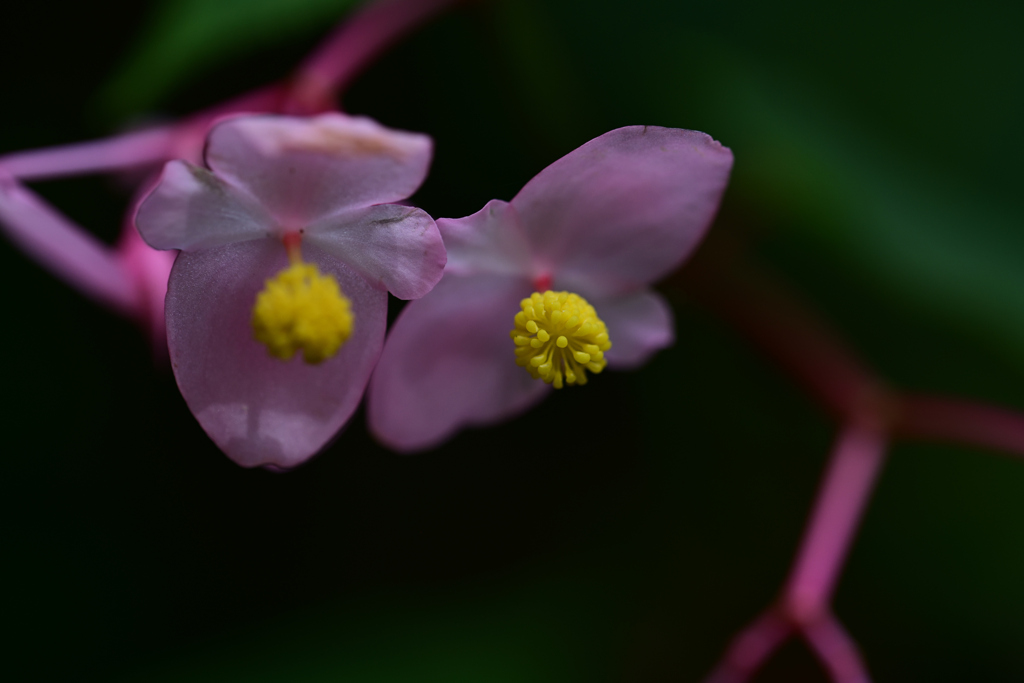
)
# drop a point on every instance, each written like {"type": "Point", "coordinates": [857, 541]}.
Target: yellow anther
{"type": "Point", "coordinates": [558, 337]}
{"type": "Point", "coordinates": [301, 309]}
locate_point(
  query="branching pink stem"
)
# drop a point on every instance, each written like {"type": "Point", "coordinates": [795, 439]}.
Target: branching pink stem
{"type": "Point", "coordinates": [804, 606]}
{"type": "Point", "coordinates": [353, 46]}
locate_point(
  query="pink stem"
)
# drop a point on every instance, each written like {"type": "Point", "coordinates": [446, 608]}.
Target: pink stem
{"type": "Point", "coordinates": [353, 46]}
{"type": "Point", "coordinates": [751, 648]}
{"type": "Point", "coordinates": [856, 460]}
{"type": "Point", "coordinates": [327, 71]}
{"type": "Point", "coordinates": [837, 650]}
{"type": "Point", "coordinates": [133, 149]}
{"type": "Point", "coordinates": [68, 251]}
{"type": "Point", "coordinates": [961, 421]}
{"type": "Point", "coordinates": [138, 148]}
{"type": "Point", "coordinates": [844, 493]}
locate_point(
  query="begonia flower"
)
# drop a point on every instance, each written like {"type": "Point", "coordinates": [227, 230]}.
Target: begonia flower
{"type": "Point", "coordinates": [289, 243]}
{"type": "Point", "coordinates": [554, 284]}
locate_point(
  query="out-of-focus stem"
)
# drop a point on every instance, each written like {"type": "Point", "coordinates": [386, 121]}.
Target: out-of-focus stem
{"type": "Point", "coordinates": [803, 606]}
{"type": "Point", "coordinates": [751, 648]}
{"type": "Point", "coordinates": [149, 147]}
{"type": "Point", "coordinates": [777, 321]}
{"type": "Point", "coordinates": [353, 46]}
{"type": "Point", "coordinates": [960, 421]}
{"type": "Point", "coordinates": [318, 80]}
{"type": "Point", "coordinates": [140, 148]}
{"type": "Point", "coordinates": [836, 650]}
{"type": "Point", "coordinates": [64, 248]}
{"type": "Point", "coordinates": [844, 493]}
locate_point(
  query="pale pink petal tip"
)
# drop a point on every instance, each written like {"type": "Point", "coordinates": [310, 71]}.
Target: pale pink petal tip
{"type": "Point", "coordinates": [626, 208]}
{"type": "Point", "coordinates": [449, 363]}
{"type": "Point", "coordinates": [190, 209]}
{"type": "Point", "coordinates": [639, 325]}
{"type": "Point", "coordinates": [305, 169]}
{"type": "Point", "coordinates": [260, 410]}
{"type": "Point", "coordinates": [490, 241]}
{"type": "Point", "coordinates": [398, 248]}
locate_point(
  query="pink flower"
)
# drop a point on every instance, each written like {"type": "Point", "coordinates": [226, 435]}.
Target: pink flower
{"type": "Point", "coordinates": [313, 193]}
{"type": "Point", "coordinates": [599, 225]}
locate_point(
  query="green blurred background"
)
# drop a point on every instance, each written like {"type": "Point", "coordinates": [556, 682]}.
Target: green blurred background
{"type": "Point", "coordinates": [878, 149]}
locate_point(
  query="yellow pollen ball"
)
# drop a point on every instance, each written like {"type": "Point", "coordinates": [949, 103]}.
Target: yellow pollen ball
{"type": "Point", "coordinates": [301, 309]}
{"type": "Point", "coordinates": [558, 337]}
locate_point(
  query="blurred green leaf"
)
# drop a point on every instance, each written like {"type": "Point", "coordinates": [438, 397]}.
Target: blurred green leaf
{"type": "Point", "coordinates": [934, 241]}
{"type": "Point", "coordinates": [532, 629]}
{"type": "Point", "coordinates": [186, 36]}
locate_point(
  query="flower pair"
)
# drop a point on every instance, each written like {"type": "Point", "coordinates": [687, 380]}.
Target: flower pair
{"type": "Point", "coordinates": [290, 241]}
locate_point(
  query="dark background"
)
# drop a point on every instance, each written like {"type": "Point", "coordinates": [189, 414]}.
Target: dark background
{"type": "Point", "coordinates": [621, 532]}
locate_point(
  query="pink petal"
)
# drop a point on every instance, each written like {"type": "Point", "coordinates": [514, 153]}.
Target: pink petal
{"type": "Point", "coordinates": [397, 247]}
{"type": "Point", "coordinates": [626, 208]}
{"type": "Point", "coordinates": [491, 241]}
{"type": "Point", "coordinates": [68, 251]}
{"type": "Point", "coordinates": [638, 325]}
{"type": "Point", "coordinates": [257, 409]}
{"type": "Point", "coordinates": [449, 363]}
{"type": "Point", "coordinates": [192, 209]}
{"type": "Point", "coordinates": [303, 169]}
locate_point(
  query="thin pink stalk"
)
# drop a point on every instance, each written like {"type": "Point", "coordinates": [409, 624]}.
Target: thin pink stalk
{"type": "Point", "coordinates": [844, 493]}
{"type": "Point", "coordinates": [836, 650]}
{"type": "Point", "coordinates": [137, 148]}
{"type": "Point", "coordinates": [149, 147]}
{"type": "Point", "coordinates": [319, 79]}
{"type": "Point", "coordinates": [804, 605]}
{"type": "Point", "coordinates": [751, 648]}
{"type": "Point", "coordinates": [64, 248]}
{"type": "Point", "coordinates": [961, 421]}
{"type": "Point", "coordinates": [353, 46]}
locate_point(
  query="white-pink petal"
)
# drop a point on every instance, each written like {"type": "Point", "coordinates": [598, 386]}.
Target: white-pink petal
{"type": "Point", "coordinates": [258, 409]}
{"type": "Point", "coordinates": [626, 208]}
{"type": "Point", "coordinates": [303, 169]}
{"type": "Point", "coordinates": [450, 363]}
{"type": "Point", "coordinates": [639, 324]}
{"type": "Point", "coordinates": [491, 241]}
{"type": "Point", "coordinates": [192, 209]}
{"type": "Point", "coordinates": [395, 247]}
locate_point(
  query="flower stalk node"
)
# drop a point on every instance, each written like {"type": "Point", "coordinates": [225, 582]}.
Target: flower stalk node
{"type": "Point", "coordinates": [558, 337]}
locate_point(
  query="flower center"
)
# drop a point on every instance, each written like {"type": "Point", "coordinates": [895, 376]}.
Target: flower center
{"type": "Point", "coordinates": [301, 309]}
{"type": "Point", "coordinates": [558, 335]}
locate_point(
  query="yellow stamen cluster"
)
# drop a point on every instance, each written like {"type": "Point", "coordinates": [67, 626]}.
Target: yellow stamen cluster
{"type": "Point", "coordinates": [558, 335]}
{"type": "Point", "coordinates": [301, 309]}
